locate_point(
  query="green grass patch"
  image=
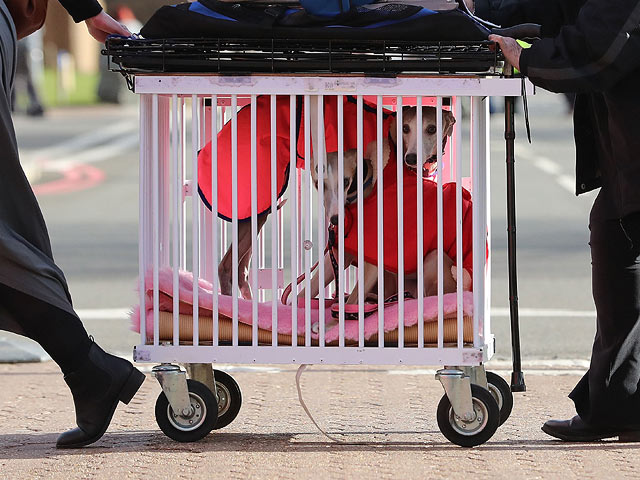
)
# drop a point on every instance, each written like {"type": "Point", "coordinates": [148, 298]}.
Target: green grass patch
{"type": "Point", "coordinates": [80, 90]}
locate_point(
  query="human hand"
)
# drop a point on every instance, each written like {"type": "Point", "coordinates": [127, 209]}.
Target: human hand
{"type": "Point", "coordinates": [510, 48]}
{"type": "Point", "coordinates": [103, 25]}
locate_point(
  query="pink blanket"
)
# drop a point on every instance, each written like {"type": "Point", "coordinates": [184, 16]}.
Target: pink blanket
{"type": "Point", "coordinates": [225, 306]}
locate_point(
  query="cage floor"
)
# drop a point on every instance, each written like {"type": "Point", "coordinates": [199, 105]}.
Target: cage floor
{"type": "Point", "coordinates": [225, 330]}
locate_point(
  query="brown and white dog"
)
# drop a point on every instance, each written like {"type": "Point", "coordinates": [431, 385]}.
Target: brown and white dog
{"type": "Point", "coordinates": [332, 183]}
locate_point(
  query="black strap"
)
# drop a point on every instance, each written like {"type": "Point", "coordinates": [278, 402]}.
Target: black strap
{"type": "Point", "coordinates": [331, 243]}
{"type": "Point", "coordinates": [525, 107]}
{"type": "Point", "coordinates": [258, 16]}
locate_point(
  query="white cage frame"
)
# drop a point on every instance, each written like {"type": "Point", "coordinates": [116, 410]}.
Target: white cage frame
{"type": "Point", "coordinates": [165, 148]}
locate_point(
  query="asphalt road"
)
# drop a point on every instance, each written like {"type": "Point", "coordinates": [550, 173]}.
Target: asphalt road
{"type": "Point", "coordinates": [93, 224]}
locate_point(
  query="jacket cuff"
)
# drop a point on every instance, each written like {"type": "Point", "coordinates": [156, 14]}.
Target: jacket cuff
{"type": "Point", "coordinates": [80, 10]}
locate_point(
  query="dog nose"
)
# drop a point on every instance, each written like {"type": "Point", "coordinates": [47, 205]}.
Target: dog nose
{"type": "Point", "coordinates": [411, 159]}
{"type": "Point", "coordinates": [334, 219]}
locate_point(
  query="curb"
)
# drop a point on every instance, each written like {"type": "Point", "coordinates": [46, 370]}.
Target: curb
{"type": "Point", "coordinates": [10, 352]}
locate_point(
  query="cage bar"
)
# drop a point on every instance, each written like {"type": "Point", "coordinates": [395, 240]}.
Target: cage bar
{"type": "Point", "coordinates": [420, 225]}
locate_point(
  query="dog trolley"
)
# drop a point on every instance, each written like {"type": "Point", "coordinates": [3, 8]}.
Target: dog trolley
{"type": "Point", "coordinates": [248, 180]}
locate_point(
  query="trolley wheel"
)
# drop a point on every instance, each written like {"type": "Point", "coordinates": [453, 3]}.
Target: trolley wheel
{"type": "Point", "coordinates": [194, 427]}
{"type": "Point", "coordinates": [229, 398]}
{"type": "Point", "coordinates": [475, 432]}
{"type": "Point", "coordinates": [501, 391]}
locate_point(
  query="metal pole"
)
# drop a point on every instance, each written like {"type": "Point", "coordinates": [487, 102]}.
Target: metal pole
{"type": "Point", "coordinates": [517, 377]}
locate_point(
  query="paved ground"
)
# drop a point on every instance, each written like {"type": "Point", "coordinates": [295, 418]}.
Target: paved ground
{"type": "Point", "coordinates": [392, 412]}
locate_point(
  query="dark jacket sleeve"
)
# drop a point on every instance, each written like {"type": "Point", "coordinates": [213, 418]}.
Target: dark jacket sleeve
{"type": "Point", "coordinates": [602, 47]}
{"type": "Point", "coordinates": [80, 10]}
{"type": "Point", "coordinates": [551, 14]}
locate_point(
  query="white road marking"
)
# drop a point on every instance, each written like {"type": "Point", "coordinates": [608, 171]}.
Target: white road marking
{"type": "Point", "coordinates": [544, 313]}
{"type": "Point", "coordinates": [103, 313]}
{"type": "Point", "coordinates": [548, 166]}
{"type": "Point", "coordinates": [80, 143]}
{"type": "Point", "coordinates": [95, 154]}
{"type": "Point", "coordinates": [567, 182]}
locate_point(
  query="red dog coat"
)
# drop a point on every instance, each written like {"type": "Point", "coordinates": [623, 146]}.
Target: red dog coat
{"type": "Point", "coordinates": [263, 151]}
{"type": "Point", "coordinates": [410, 213]}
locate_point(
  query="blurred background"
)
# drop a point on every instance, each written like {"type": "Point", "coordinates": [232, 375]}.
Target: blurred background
{"type": "Point", "coordinates": [61, 65]}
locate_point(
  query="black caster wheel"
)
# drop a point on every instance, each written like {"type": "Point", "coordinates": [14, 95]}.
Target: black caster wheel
{"type": "Point", "coordinates": [198, 423]}
{"type": "Point", "coordinates": [501, 391]}
{"type": "Point", "coordinates": [473, 432]}
{"type": "Point", "coordinates": [229, 398]}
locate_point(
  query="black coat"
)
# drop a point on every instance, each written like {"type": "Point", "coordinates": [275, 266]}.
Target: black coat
{"type": "Point", "coordinates": [26, 260]}
{"type": "Point", "coordinates": [591, 48]}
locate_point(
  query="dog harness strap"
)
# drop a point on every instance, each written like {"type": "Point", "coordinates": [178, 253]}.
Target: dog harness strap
{"type": "Point", "coordinates": [287, 291]}
{"type": "Point", "coordinates": [331, 243]}
{"type": "Point", "coordinates": [352, 198]}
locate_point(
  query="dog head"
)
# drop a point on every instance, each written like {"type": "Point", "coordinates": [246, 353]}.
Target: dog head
{"type": "Point", "coordinates": [348, 182]}
{"type": "Point", "coordinates": [410, 132]}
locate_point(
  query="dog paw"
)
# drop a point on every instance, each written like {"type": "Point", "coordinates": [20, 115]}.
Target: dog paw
{"type": "Point", "coordinates": [245, 291]}
{"type": "Point", "coordinates": [466, 277]}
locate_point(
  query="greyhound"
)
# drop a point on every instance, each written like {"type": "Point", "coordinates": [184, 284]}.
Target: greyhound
{"type": "Point", "coordinates": [332, 183]}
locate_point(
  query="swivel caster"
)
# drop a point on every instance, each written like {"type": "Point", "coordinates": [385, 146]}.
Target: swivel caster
{"type": "Point", "coordinates": [475, 430]}
{"type": "Point", "coordinates": [192, 423]}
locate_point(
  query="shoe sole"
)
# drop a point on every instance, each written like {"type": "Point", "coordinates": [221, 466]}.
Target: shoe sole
{"type": "Point", "coordinates": [127, 392]}
{"type": "Point", "coordinates": [633, 436]}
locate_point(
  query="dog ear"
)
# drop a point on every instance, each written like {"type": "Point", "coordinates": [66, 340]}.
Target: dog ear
{"type": "Point", "coordinates": [449, 121]}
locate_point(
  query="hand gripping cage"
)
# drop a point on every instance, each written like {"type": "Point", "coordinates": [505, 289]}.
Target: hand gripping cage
{"type": "Point", "coordinates": [184, 318]}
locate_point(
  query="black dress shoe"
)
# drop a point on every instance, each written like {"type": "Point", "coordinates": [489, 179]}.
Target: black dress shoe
{"type": "Point", "coordinates": [577, 430]}
{"type": "Point", "coordinates": [97, 387]}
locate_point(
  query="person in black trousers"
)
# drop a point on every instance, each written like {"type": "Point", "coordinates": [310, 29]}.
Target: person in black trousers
{"type": "Point", "coordinates": [34, 298]}
{"type": "Point", "coordinates": [592, 48]}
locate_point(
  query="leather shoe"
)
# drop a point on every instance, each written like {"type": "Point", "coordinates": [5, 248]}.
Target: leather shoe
{"type": "Point", "coordinates": [97, 387]}
{"type": "Point", "coordinates": [577, 430]}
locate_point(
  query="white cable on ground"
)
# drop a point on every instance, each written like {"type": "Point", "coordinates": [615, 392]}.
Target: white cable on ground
{"type": "Point", "coordinates": [301, 369]}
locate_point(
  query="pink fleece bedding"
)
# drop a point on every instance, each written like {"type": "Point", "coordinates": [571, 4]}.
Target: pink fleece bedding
{"type": "Point", "coordinates": [225, 306]}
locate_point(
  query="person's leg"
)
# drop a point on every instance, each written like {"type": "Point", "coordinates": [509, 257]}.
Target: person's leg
{"type": "Point", "coordinates": [607, 398]}
{"type": "Point", "coordinates": [97, 380]}
{"type": "Point", "coordinates": [34, 108]}
{"type": "Point", "coordinates": [609, 394]}
{"type": "Point", "coordinates": [61, 334]}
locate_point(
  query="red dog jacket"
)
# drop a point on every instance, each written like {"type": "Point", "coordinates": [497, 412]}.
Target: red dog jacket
{"type": "Point", "coordinates": [263, 151]}
{"type": "Point", "coordinates": [410, 213]}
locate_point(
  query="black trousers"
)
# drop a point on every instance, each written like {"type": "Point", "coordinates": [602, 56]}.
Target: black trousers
{"type": "Point", "coordinates": [61, 334]}
{"type": "Point", "coordinates": [609, 393]}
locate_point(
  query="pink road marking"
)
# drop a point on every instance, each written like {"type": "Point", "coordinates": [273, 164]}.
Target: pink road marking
{"type": "Point", "coordinates": [79, 177]}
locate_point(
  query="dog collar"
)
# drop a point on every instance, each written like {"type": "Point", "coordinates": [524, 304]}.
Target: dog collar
{"type": "Point", "coordinates": [354, 197]}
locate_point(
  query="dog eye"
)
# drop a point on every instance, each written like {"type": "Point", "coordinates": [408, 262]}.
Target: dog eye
{"type": "Point", "coordinates": [431, 129]}
{"type": "Point", "coordinates": [346, 183]}
{"type": "Point", "coordinates": [405, 128]}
